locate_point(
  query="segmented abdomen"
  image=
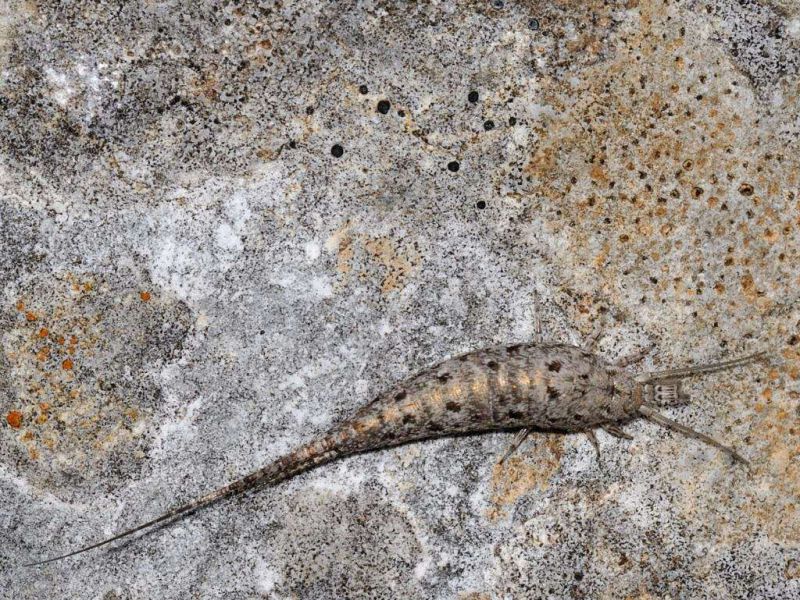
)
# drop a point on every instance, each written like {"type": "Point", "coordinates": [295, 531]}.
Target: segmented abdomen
{"type": "Point", "coordinates": [539, 386]}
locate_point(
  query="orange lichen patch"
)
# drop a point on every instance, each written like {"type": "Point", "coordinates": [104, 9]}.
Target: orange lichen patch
{"type": "Point", "coordinates": [67, 364]}
{"type": "Point", "coordinates": [748, 286]}
{"type": "Point", "coordinates": [396, 261]}
{"type": "Point", "coordinates": [43, 332]}
{"type": "Point", "coordinates": [20, 305]}
{"type": "Point", "coordinates": [399, 266]}
{"type": "Point", "coordinates": [341, 243]}
{"type": "Point", "coordinates": [145, 296]}
{"type": "Point", "coordinates": [43, 354]}
{"type": "Point", "coordinates": [42, 418]}
{"type": "Point", "coordinates": [30, 316]}
{"type": "Point", "coordinates": [792, 570]}
{"type": "Point", "coordinates": [344, 256]}
{"type": "Point", "coordinates": [598, 174]}
{"type": "Point", "coordinates": [663, 161]}
{"type": "Point", "coordinates": [14, 419]}
{"type": "Point", "coordinates": [519, 475]}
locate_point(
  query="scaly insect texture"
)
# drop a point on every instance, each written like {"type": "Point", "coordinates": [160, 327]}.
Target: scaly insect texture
{"type": "Point", "coordinates": [544, 387]}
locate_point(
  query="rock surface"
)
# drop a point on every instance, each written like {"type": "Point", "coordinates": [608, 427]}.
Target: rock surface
{"type": "Point", "coordinates": [225, 226]}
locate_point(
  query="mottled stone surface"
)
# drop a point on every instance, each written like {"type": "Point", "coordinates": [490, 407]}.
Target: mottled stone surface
{"type": "Point", "coordinates": [196, 279]}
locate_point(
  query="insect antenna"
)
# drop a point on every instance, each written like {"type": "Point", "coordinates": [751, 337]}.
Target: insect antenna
{"type": "Point", "coordinates": [653, 376]}
{"type": "Point", "coordinates": [650, 414]}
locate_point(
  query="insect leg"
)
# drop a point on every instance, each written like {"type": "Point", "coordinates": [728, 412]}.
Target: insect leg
{"type": "Point", "coordinates": [626, 361]}
{"type": "Point", "coordinates": [617, 432]}
{"type": "Point", "coordinates": [538, 338]}
{"type": "Point", "coordinates": [592, 436]}
{"type": "Point", "coordinates": [698, 369]}
{"type": "Point", "coordinates": [655, 417]}
{"type": "Point", "coordinates": [594, 336]}
{"type": "Point", "coordinates": [515, 443]}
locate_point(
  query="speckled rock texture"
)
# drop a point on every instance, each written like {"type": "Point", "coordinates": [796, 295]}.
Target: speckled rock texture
{"type": "Point", "coordinates": [226, 226]}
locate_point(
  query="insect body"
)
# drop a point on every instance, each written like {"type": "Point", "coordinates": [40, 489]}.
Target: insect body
{"type": "Point", "coordinates": [545, 387]}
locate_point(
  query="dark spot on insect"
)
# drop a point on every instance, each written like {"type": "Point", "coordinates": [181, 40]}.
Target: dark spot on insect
{"type": "Point", "coordinates": [400, 396]}
{"type": "Point", "coordinates": [554, 366]}
{"type": "Point", "coordinates": [409, 419]}
{"type": "Point", "coordinates": [746, 189]}
{"type": "Point", "coordinates": [453, 166]}
{"type": "Point", "coordinates": [472, 96]}
{"type": "Point", "coordinates": [362, 89]}
{"type": "Point", "coordinates": [511, 350]}
{"type": "Point", "coordinates": [337, 151]}
{"type": "Point", "coordinates": [493, 365]}
{"type": "Point", "coordinates": [383, 107]}
{"type": "Point", "coordinates": [584, 376]}
{"type": "Point", "coordinates": [435, 427]}
{"type": "Point", "coordinates": [444, 377]}
{"type": "Point", "coordinates": [552, 393]}
{"type": "Point", "coordinates": [515, 414]}
{"type": "Point", "coordinates": [453, 406]}
{"type": "Point", "coordinates": [464, 358]}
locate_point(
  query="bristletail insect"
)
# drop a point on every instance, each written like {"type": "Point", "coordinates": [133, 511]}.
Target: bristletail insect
{"type": "Point", "coordinates": [525, 387]}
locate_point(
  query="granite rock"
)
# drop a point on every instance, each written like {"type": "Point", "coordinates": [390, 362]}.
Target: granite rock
{"type": "Point", "coordinates": [226, 226]}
